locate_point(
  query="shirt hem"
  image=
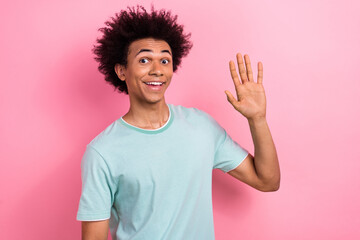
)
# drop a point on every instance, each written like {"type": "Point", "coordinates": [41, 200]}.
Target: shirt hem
{"type": "Point", "coordinates": [92, 217]}
{"type": "Point", "coordinates": [233, 165]}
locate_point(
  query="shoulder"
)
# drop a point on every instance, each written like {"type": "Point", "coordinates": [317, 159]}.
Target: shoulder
{"type": "Point", "coordinates": [107, 138]}
{"type": "Point", "coordinates": [106, 147]}
{"type": "Point", "coordinates": [102, 136]}
{"type": "Point", "coordinates": [196, 118]}
{"type": "Point", "coordinates": [189, 112]}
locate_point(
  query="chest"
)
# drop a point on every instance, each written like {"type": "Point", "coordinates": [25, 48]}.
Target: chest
{"type": "Point", "coordinates": [164, 164]}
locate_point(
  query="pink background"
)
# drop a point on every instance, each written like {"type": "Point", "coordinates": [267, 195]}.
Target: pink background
{"type": "Point", "coordinates": [54, 101]}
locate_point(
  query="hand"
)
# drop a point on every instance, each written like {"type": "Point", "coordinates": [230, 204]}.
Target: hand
{"type": "Point", "coordinates": [251, 101]}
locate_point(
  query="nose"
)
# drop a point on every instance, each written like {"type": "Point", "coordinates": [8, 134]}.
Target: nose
{"type": "Point", "coordinates": [156, 69]}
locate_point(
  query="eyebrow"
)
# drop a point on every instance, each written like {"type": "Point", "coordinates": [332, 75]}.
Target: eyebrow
{"type": "Point", "coordinates": [148, 50]}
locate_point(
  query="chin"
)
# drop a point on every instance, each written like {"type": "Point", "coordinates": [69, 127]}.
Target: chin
{"type": "Point", "coordinates": [155, 100]}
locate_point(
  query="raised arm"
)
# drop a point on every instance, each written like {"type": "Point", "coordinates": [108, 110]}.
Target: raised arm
{"type": "Point", "coordinates": [261, 171]}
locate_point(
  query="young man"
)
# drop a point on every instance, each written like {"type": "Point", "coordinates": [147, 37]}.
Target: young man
{"type": "Point", "coordinates": [148, 175]}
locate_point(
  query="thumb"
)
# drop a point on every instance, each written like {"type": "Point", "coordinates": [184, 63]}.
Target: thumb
{"type": "Point", "coordinates": [230, 98]}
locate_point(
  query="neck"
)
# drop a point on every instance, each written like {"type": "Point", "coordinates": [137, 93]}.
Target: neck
{"type": "Point", "coordinates": [147, 116]}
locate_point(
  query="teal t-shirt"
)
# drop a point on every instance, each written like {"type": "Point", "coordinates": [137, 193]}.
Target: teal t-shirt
{"type": "Point", "coordinates": [156, 184]}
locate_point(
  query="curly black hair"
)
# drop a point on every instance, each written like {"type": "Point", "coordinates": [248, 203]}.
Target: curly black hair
{"type": "Point", "coordinates": [135, 24]}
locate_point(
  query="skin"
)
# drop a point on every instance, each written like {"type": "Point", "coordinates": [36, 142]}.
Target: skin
{"type": "Point", "coordinates": [148, 110]}
{"type": "Point", "coordinates": [95, 230]}
{"type": "Point", "coordinates": [262, 170]}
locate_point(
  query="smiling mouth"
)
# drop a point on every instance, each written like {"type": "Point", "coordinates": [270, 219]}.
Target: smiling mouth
{"type": "Point", "coordinates": [154, 83]}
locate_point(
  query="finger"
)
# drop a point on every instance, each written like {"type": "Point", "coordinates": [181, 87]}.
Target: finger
{"type": "Point", "coordinates": [234, 74]}
{"type": "Point", "coordinates": [248, 68]}
{"type": "Point", "coordinates": [260, 73]}
{"type": "Point", "coordinates": [230, 98]}
{"type": "Point", "coordinates": [241, 66]}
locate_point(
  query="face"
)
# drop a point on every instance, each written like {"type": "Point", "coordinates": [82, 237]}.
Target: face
{"type": "Point", "coordinates": [148, 72]}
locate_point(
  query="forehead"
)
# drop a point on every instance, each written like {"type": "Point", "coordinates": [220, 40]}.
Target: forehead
{"type": "Point", "coordinates": [152, 44]}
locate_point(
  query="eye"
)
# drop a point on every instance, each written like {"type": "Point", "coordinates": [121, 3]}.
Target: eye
{"type": "Point", "coordinates": [143, 60]}
{"type": "Point", "coordinates": [165, 61]}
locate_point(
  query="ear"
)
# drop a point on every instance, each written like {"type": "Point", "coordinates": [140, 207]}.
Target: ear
{"type": "Point", "coordinates": [120, 71]}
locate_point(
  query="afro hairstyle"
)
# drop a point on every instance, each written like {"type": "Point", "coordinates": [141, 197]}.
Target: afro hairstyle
{"type": "Point", "coordinates": [131, 25]}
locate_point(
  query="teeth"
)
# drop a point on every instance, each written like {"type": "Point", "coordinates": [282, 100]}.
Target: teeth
{"type": "Point", "coordinates": [154, 83]}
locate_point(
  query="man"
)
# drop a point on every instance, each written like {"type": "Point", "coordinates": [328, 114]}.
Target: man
{"type": "Point", "coordinates": [148, 175]}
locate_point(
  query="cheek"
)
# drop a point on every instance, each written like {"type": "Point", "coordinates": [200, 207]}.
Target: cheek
{"type": "Point", "coordinates": [137, 73]}
{"type": "Point", "coordinates": [169, 73]}
{"type": "Point", "coordinates": [170, 76]}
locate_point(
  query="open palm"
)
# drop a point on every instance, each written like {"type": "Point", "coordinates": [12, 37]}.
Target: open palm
{"type": "Point", "coordinates": [251, 100]}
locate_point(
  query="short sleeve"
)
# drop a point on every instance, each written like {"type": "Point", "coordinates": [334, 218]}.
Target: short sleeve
{"type": "Point", "coordinates": [229, 154]}
{"type": "Point", "coordinates": [97, 191]}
